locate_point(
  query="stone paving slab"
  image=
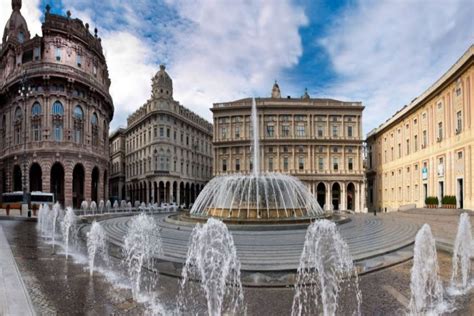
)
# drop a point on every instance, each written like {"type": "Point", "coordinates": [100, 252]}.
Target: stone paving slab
{"type": "Point", "coordinates": [14, 298]}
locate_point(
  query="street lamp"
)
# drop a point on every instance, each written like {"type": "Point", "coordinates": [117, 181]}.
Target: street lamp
{"type": "Point", "coordinates": [24, 92]}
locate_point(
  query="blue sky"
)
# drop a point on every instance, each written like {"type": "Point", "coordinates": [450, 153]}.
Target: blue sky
{"type": "Point", "coordinates": [383, 53]}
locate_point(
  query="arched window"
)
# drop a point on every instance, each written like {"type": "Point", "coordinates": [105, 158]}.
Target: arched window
{"type": "Point", "coordinates": [95, 129]}
{"type": "Point", "coordinates": [78, 113]}
{"type": "Point", "coordinates": [58, 113]}
{"type": "Point", "coordinates": [36, 122]}
{"type": "Point", "coordinates": [78, 116]}
{"type": "Point", "coordinates": [36, 109]}
{"type": "Point", "coordinates": [58, 108]}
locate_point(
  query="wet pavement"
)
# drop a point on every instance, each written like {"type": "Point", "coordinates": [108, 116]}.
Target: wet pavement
{"type": "Point", "coordinates": [64, 287]}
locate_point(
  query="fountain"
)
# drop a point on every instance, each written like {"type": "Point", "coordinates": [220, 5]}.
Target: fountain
{"type": "Point", "coordinates": [96, 245]}
{"type": "Point", "coordinates": [101, 206]}
{"type": "Point", "coordinates": [84, 207]}
{"type": "Point", "coordinates": [141, 245]}
{"type": "Point", "coordinates": [462, 253]}
{"type": "Point", "coordinates": [67, 227]}
{"type": "Point", "coordinates": [116, 205]}
{"type": "Point", "coordinates": [53, 219]}
{"type": "Point", "coordinates": [325, 269]}
{"type": "Point", "coordinates": [258, 196]}
{"type": "Point", "coordinates": [108, 206]}
{"type": "Point", "coordinates": [426, 287]}
{"type": "Point", "coordinates": [212, 260]}
{"type": "Point", "coordinates": [123, 204]}
{"type": "Point", "coordinates": [93, 207]}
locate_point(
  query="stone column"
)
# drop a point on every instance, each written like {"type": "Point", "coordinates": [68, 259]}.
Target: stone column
{"type": "Point", "coordinates": [68, 186]}
{"type": "Point", "coordinates": [328, 196]}
{"type": "Point", "coordinates": [343, 204]}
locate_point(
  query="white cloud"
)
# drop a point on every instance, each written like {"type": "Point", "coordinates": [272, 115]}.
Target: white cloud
{"type": "Point", "coordinates": [30, 11]}
{"type": "Point", "coordinates": [388, 52]}
{"type": "Point", "coordinates": [232, 49]}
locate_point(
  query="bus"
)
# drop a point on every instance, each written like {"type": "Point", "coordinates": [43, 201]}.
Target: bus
{"type": "Point", "coordinates": [35, 198]}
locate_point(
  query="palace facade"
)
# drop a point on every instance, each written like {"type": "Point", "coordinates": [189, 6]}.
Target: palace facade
{"type": "Point", "coordinates": [426, 148]}
{"type": "Point", "coordinates": [316, 140]}
{"type": "Point", "coordinates": [168, 149]}
{"type": "Point", "coordinates": [55, 109]}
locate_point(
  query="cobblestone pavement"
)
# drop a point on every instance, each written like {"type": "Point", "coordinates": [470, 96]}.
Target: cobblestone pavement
{"type": "Point", "coordinates": [57, 286]}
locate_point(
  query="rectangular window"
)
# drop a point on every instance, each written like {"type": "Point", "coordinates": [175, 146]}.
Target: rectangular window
{"type": "Point", "coordinates": [224, 165]}
{"type": "Point", "coordinates": [36, 132]}
{"type": "Point", "coordinates": [300, 131]}
{"type": "Point", "coordinates": [162, 132]}
{"type": "Point", "coordinates": [224, 132]}
{"type": "Point", "coordinates": [270, 164]}
{"type": "Point", "coordinates": [321, 163]}
{"type": "Point", "coordinates": [301, 163]}
{"type": "Point", "coordinates": [416, 142]}
{"type": "Point", "coordinates": [285, 130]}
{"type": "Point", "coordinates": [349, 131]}
{"type": "Point", "coordinates": [335, 164]}
{"type": "Point", "coordinates": [285, 163]}
{"type": "Point", "coordinates": [408, 146]}
{"type": "Point", "coordinates": [335, 131]}
{"type": "Point", "coordinates": [237, 164]}
{"type": "Point", "coordinates": [168, 133]}
{"type": "Point", "coordinates": [237, 132]}
{"type": "Point", "coordinates": [458, 122]}
{"type": "Point", "coordinates": [79, 60]}
{"type": "Point", "coordinates": [350, 164]}
{"type": "Point", "coordinates": [58, 54]}
{"type": "Point", "coordinates": [425, 139]}
{"type": "Point", "coordinates": [270, 130]}
{"type": "Point", "coordinates": [440, 131]}
{"type": "Point", "coordinates": [37, 53]}
{"type": "Point", "coordinates": [399, 150]}
{"type": "Point", "coordinates": [320, 131]}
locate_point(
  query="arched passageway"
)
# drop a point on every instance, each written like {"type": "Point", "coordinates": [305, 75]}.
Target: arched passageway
{"type": "Point", "coordinates": [336, 196]}
{"type": "Point", "coordinates": [36, 174]}
{"type": "Point", "coordinates": [17, 175]}
{"type": "Point", "coordinates": [78, 185]}
{"type": "Point", "coordinates": [350, 196]}
{"type": "Point", "coordinates": [57, 182]}
{"type": "Point", "coordinates": [95, 184]}
{"type": "Point", "coordinates": [321, 194]}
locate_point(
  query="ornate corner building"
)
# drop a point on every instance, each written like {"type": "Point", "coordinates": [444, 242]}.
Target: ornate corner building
{"type": "Point", "coordinates": [55, 109]}
{"type": "Point", "coordinates": [165, 152]}
{"type": "Point", "coordinates": [426, 148]}
{"type": "Point", "coordinates": [316, 140]}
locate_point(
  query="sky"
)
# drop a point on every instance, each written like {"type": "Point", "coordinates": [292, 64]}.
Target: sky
{"type": "Point", "coordinates": [383, 53]}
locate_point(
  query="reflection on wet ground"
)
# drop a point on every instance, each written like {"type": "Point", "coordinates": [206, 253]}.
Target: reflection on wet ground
{"type": "Point", "coordinates": [65, 287]}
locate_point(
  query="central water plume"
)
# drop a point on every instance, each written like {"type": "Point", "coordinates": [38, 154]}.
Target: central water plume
{"type": "Point", "coordinates": [461, 275]}
{"type": "Point", "coordinates": [212, 261]}
{"type": "Point", "coordinates": [96, 245]}
{"type": "Point", "coordinates": [68, 225]}
{"type": "Point", "coordinates": [142, 245]}
{"type": "Point", "coordinates": [326, 268]}
{"type": "Point", "coordinates": [426, 287]}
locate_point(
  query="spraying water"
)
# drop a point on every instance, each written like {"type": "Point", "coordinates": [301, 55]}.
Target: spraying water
{"type": "Point", "coordinates": [426, 287]}
{"type": "Point", "coordinates": [53, 219]}
{"type": "Point", "coordinates": [101, 206]}
{"type": "Point", "coordinates": [68, 227]}
{"type": "Point", "coordinates": [108, 206]}
{"type": "Point", "coordinates": [93, 207]}
{"type": "Point", "coordinates": [460, 278]}
{"type": "Point", "coordinates": [326, 268]}
{"type": "Point", "coordinates": [212, 259]}
{"type": "Point", "coordinates": [142, 244]}
{"type": "Point", "coordinates": [96, 245]}
{"type": "Point", "coordinates": [116, 205]}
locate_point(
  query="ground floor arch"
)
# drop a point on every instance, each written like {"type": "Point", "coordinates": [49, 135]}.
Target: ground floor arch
{"type": "Point", "coordinates": [36, 178]}
{"type": "Point", "coordinates": [78, 178]}
{"type": "Point", "coordinates": [336, 196]}
{"type": "Point", "coordinates": [57, 182]}
{"type": "Point", "coordinates": [321, 194]}
{"type": "Point", "coordinates": [17, 178]}
{"type": "Point", "coordinates": [95, 184]}
{"type": "Point", "coordinates": [350, 196]}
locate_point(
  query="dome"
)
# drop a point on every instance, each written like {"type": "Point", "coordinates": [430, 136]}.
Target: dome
{"type": "Point", "coordinates": [162, 84]}
{"type": "Point", "coordinates": [16, 27]}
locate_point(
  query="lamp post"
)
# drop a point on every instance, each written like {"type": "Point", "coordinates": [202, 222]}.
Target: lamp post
{"type": "Point", "coordinates": [24, 92]}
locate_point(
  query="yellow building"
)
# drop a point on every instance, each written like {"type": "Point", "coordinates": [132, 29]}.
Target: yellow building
{"type": "Point", "coordinates": [426, 148]}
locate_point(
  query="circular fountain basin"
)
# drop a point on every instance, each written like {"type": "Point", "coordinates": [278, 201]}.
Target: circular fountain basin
{"type": "Point", "coordinates": [270, 254]}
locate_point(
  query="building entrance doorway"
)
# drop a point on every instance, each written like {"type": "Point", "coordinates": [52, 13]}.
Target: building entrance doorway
{"type": "Point", "coordinates": [440, 192]}
{"type": "Point", "coordinates": [321, 194]}
{"type": "Point", "coordinates": [336, 196]}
